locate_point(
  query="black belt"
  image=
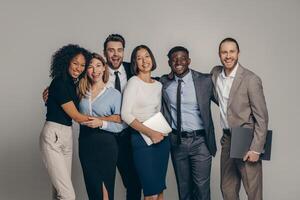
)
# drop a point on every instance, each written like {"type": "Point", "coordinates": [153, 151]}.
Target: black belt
{"type": "Point", "coordinates": [227, 132]}
{"type": "Point", "coordinates": [187, 134]}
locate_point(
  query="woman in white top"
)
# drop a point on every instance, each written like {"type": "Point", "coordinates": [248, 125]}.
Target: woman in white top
{"type": "Point", "coordinates": [141, 100]}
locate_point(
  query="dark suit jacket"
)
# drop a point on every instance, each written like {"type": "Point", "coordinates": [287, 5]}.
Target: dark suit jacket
{"type": "Point", "coordinates": [246, 105]}
{"type": "Point", "coordinates": [128, 70]}
{"type": "Point", "coordinates": [204, 93]}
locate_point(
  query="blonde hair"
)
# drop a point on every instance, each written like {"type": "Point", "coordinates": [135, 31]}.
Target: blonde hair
{"type": "Point", "coordinates": [85, 83]}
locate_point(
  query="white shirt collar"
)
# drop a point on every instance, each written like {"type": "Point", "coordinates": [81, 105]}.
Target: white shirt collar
{"type": "Point", "coordinates": [186, 78]}
{"type": "Point", "coordinates": [232, 74]}
{"type": "Point", "coordinates": [121, 70]}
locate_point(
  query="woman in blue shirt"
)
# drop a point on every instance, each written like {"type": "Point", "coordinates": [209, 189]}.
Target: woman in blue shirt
{"type": "Point", "coordinates": [97, 145]}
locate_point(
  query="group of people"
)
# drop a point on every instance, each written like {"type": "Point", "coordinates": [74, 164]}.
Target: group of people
{"type": "Point", "coordinates": [111, 99]}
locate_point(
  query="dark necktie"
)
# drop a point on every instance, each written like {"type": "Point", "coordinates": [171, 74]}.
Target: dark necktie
{"type": "Point", "coordinates": [178, 111]}
{"type": "Point", "coordinates": [117, 81]}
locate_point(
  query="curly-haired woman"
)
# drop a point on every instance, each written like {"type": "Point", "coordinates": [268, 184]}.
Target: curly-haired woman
{"type": "Point", "coordinates": [56, 141]}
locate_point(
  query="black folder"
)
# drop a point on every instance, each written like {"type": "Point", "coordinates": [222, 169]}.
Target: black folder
{"type": "Point", "coordinates": [241, 139]}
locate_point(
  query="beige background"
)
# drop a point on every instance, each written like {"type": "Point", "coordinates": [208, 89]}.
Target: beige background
{"type": "Point", "coordinates": [268, 32]}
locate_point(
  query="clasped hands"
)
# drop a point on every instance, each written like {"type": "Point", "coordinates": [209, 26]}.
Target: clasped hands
{"type": "Point", "coordinates": [93, 122]}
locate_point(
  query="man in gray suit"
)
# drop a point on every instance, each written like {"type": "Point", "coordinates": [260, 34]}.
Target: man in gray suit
{"type": "Point", "coordinates": [242, 104]}
{"type": "Point", "coordinates": [187, 96]}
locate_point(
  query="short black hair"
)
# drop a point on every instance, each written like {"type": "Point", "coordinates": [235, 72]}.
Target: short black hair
{"type": "Point", "coordinates": [229, 39]}
{"type": "Point", "coordinates": [134, 67]}
{"type": "Point", "coordinates": [62, 58]}
{"type": "Point", "coordinates": [114, 38]}
{"type": "Point", "coordinates": [176, 49]}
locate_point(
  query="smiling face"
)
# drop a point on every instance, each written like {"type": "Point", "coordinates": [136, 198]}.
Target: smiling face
{"type": "Point", "coordinates": [143, 61]}
{"type": "Point", "coordinates": [77, 66]}
{"type": "Point", "coordinates": [179, 63]}
{"type": "Point", "coordinates": [114, 54]}
{"type": "Point", "coordinates": [229, 55]}
{"type": "Point", "coordinates": [95, 70]}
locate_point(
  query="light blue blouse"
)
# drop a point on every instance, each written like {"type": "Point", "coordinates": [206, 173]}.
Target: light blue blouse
{"type": "Point", "coordinates": [107, 102]}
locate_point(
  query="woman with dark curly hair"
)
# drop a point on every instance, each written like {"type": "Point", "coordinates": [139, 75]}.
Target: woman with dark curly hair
{"type": "Point", "coordinates": [68, 64]}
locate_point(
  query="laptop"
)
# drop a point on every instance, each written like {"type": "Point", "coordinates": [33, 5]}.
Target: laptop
{"type": "Point", "coordinates": [241, 139]}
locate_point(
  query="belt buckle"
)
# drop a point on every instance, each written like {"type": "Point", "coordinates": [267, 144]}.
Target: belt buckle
{"type": "Point", "coordinates": [184, 134]}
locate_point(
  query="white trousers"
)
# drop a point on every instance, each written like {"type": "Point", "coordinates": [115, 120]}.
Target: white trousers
{"type": "Point", "coordinates": [56, 145]}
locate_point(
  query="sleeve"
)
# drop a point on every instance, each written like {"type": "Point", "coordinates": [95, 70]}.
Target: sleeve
{"type": "Point", "coordinates": [260, 113]}
{"type": "Point", "coordinates": [115, 110]}
{"type": "Point", "coordinates": [213, 92]}
{"type": "Point", "coordinates": [60, 92]}
{"type": "Point", "coordinates": [129, 98]}
{"type": "Point", "coordinates": [160, 98]}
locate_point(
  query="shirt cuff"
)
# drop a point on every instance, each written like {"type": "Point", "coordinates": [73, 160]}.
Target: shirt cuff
{"type": "Point", "coordinates": [104, 125]}
{"type": "Point", "coordinates": [256, 152]}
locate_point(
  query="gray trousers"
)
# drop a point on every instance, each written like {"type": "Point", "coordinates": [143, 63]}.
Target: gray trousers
{"type": "Point", "coordinates": [192, 165]}
{"type": "Point", "coordinates": [56, 145]}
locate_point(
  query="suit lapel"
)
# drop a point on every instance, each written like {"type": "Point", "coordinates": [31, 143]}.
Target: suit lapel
{"type": "Point", "coordinates": [215, 77]}
{"type": "Point", "coordinates": [127, 70]}
{"type": "Point", "coordinates": [199, 91]}
{"type": "Point", "coordinates": [236, 83]}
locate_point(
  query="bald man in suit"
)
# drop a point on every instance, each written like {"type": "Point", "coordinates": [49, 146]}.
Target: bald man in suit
{"type": "Point", "coordinates": [242, 103]}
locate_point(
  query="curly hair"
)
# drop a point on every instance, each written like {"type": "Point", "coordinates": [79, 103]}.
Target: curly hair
{"type": "Point", "coordinates": [61, 60]}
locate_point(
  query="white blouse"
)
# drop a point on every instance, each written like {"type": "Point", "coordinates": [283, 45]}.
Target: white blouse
{"type": "Point", "coordinates": [141, 100]}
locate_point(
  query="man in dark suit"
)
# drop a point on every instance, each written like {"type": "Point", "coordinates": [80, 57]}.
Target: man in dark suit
{"type": "Point", "coordinates": [187, 96]}
{"type": "Point", "coordinates": [119, 73]}
{"type": "Point", "coordinates": [242, 104]}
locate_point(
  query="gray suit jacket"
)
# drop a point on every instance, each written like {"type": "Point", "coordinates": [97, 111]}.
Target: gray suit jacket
{"type": "Point", "coordinates": [204, 93]}
{"type": "Point", "coordinates": [246, 105]}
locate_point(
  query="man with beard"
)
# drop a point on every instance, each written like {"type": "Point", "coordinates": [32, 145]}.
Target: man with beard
{"type": "Point", "coordinates": [242, 104]}
{"type": "Point", "coordinates": [119, 73]}
{"type": "Point", "coordinates": [187, 96]}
